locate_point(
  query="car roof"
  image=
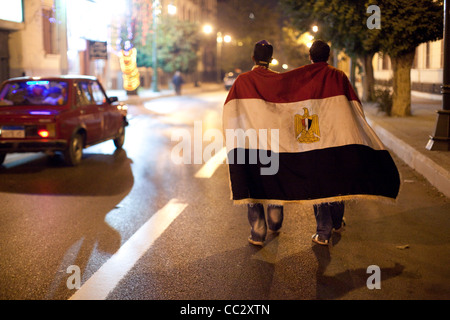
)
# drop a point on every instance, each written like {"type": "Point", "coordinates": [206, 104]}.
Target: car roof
{"type": "Point", "coordinates": [62, 77]}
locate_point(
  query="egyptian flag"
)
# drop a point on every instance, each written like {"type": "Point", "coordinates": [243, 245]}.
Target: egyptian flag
{"type": "Point", "coordinates": [301, 136]}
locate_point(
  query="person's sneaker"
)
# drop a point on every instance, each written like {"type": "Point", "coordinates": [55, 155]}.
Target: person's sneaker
{"type": "Point", "coordinates": [319, 240]}
{"type": "Point", "coordinates": [273, 232]}
{"type": "Point", "coordinates": [254, 242]}
{"type": "Point", "coordinates": [342, 228]}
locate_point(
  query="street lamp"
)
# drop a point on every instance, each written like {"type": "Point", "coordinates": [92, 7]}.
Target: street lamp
{"type": "Point", "coordinates": [207, 29]}
{"type": "Point", "coordinates": [220, 40]}
{"type": "Point", "coordinates": [171, 9]}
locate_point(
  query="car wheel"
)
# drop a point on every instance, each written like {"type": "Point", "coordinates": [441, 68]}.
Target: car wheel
{"type": "Point", "coordinates": [120, 138]}
{"type": "Point", "coordinates": [74, 151]}
{"type": "Point", "coordinates": [2, 157]}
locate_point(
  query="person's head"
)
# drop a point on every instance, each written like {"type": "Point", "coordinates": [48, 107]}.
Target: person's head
{"type": "Point", "coordinates": [262, 53]}
{"type": "Point", "coordinates": [38, 90]}
{"type": "Point", "coordinates": [319, 51]}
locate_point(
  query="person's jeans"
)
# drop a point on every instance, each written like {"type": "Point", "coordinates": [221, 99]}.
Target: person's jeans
{"type": "Point", "coordinates": [257, 220]}
{"type": "Point", "coordinates": [328, 216]}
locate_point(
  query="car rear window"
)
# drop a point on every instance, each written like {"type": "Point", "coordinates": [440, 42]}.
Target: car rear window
{"type": "Point", "coordinates": [34, 93]}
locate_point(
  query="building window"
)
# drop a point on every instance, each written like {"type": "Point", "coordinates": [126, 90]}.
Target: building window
{"type": "Point", "coordinates": [49, 31]}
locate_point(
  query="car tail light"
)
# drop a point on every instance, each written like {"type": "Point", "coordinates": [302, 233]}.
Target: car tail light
{"type": "Point", "coordinates": [44, 133]}
{"type": "Point", "coordinates": [47, 131]}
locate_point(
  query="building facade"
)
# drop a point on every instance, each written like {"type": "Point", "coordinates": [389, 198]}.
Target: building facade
{"type": "Point", "coordinates": [53, 37]}
{"type": "Point", "coordinates": [32, 43]}
{"type": "Point", "coordinates": [426, 72]}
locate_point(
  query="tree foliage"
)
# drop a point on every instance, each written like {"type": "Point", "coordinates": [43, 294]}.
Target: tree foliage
{"type": "Point", "coordinates": [341, 22]}
{"type": "Point", "coordinates": [404, 25]}
{"type": "Point", "coordinates": [178, 43]}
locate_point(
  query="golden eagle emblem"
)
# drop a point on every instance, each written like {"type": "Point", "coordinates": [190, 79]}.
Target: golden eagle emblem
{"type": "Point", "coordinates": [307, 127]}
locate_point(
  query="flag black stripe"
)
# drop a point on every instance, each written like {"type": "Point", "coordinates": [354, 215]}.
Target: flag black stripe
{"type": "Point", "coordinates": [318, 174]}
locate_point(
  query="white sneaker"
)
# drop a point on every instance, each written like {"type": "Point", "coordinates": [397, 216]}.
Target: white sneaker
{"type": "Point", "coordinates": [319, 240]}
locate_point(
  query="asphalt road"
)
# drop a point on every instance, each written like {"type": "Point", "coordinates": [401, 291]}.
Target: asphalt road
{"type": "Point", "coordinates": [134, 224]}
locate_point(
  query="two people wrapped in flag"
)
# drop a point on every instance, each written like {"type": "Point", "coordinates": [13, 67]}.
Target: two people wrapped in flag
{"type": "Point", "coordinates": [301, 136]}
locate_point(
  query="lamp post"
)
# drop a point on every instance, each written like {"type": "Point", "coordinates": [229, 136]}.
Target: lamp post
{"type": "Point", "coordinates": [219, 55]}
{"type": "Point", "coordinates": [220, 40]}
{"type": "Point", "coordinates": [440, 141]}
{"type": "Point", "coordinates": [155, 12]}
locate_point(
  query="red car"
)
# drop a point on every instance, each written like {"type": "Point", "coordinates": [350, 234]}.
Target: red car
{"type": "Point", "coordinates": [58, 114]}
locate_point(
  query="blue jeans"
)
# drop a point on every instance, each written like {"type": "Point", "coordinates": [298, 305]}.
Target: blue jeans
{"type": "Point", "coordinates": [328, 216]}
{"type": "Point", "coordinates": [257, 220]}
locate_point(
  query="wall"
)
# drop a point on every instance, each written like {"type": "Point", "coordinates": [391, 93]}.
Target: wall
{"type": "Point", "coordinates": [26, 46]}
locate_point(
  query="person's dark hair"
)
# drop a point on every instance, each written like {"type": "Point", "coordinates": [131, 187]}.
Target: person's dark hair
{"type": "Point", "coordinates": [263, 52]}
{"type": "Point", "coordinates": [319, 51]}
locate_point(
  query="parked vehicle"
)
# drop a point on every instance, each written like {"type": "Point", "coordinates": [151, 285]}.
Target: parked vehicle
{"type": "Point", "coordinates": [58, 114]}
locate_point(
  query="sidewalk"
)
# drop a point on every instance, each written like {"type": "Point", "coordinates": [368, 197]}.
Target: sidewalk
{"type": "Point", "coordinates": [147, 94]}
{"type": "Point", "coordinates": [408, 136]}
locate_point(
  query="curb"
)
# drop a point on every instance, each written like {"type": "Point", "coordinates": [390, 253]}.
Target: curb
{"type": "Point", "coordinates": [433, 172]}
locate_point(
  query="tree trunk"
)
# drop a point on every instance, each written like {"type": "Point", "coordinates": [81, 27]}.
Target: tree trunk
{"type": "Point", "coordinates": [353, 70]}
{"type": "Point", "coordinates": [401, 98]}
{"type": "Point", "coordinates": [368, 79]}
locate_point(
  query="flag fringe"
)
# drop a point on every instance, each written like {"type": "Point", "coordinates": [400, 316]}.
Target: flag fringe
{"type": "Point", "coordinates": [356, 197]}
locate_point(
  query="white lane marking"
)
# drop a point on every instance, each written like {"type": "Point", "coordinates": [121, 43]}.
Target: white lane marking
{"type": "Point", "coordinates": [212, 164]}
{"type": "Point", "coordinates": [105, 279]}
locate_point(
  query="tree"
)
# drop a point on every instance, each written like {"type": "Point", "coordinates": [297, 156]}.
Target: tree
{"type": "Point", "coordinates": [404, 25]}
{"type": "Point", "coordinates": [178, 43]}
{"type": "Point", "coordinates": [343, 23]}
{"type": "Point", "coordinates": [294, 47]}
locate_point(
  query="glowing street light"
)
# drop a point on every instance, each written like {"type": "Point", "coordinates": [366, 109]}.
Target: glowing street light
{"type": "Point", "coordinates": [207, 29]}
{"type": "Point", "coordinates": [171, 9]}
{"type": "Point", "coordinates": [220, 40]}
{"type": "Point", "coordinates": [315, 28]}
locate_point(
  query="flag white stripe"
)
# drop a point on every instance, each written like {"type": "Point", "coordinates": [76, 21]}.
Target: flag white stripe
{"type": "Point", "coordinates": [341, 122]}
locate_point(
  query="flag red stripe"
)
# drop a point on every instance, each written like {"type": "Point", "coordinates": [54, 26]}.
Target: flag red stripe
{"type": "Point", "coordinates": [314, 81]}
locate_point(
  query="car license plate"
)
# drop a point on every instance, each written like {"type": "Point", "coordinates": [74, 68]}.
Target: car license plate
{"type": "Point", "coordinates": [13, 132]}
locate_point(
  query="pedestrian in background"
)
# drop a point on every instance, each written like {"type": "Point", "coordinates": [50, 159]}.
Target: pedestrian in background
{"type": "Point", "coordinates": [177, 81]}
